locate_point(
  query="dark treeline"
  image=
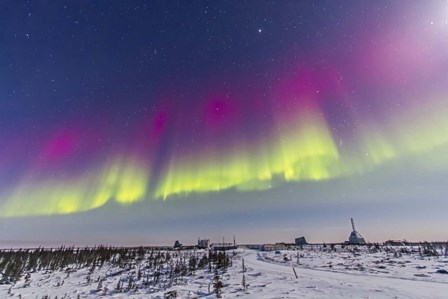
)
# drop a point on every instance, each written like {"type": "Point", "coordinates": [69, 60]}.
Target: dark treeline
{"type": "Point", "coordinates": [13, 263]}
{"type": "Point", "coordinates": [144, 267]}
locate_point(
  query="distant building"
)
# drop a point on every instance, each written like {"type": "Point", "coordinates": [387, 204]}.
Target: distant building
{"type": "Point", "coordinates": [222, 246]}
{"type": "Point", "coordinates": [274, 247]}
{"type": "Point", "coordinates": [203, 243]}
{"type": "Point", "coordinates": [253, 246]}
{"type": "Point", "coordinates": [300, 241]}
{"type": "Point", "coordinates": [355, 238]}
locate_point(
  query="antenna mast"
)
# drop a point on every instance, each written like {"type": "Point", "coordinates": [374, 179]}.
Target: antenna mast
{"type": "Point", "coordinates": [353, 224]}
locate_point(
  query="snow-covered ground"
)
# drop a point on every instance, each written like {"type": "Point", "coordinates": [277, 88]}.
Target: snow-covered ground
{"type": "Point", "coordinates": [321, 273]}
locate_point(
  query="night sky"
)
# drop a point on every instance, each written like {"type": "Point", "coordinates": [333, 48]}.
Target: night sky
{"type": "Point", "coordinates": [144, 122]}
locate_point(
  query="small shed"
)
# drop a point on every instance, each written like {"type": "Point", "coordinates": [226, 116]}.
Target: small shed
{"type": "Point", "coordinates": [301, 241]}
{"type": "Point", "coordinates": [203, 243]}
{"type": "Point", "coordinates": [274, 247]}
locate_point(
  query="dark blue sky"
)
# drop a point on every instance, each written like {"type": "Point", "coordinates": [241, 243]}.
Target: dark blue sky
{"type": "Point", "coordinates": [136, 122]}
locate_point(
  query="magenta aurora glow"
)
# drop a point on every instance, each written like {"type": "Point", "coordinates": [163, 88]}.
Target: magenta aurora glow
{"type": "Point", "coordinates": [100, 113]}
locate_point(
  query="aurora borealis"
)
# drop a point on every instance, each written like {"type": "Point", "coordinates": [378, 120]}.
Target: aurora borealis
{"type": "Point", "coordinates": [159, 106]}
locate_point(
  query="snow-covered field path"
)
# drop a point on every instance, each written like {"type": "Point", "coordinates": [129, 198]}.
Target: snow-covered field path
{"type": "Point", "coordinates": [267, 275]}
{"type": "Point", "coordinates": [278, 281]}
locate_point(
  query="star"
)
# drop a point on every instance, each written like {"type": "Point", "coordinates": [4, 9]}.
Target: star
{"type": "Point", "coordinates": [259, 30]}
